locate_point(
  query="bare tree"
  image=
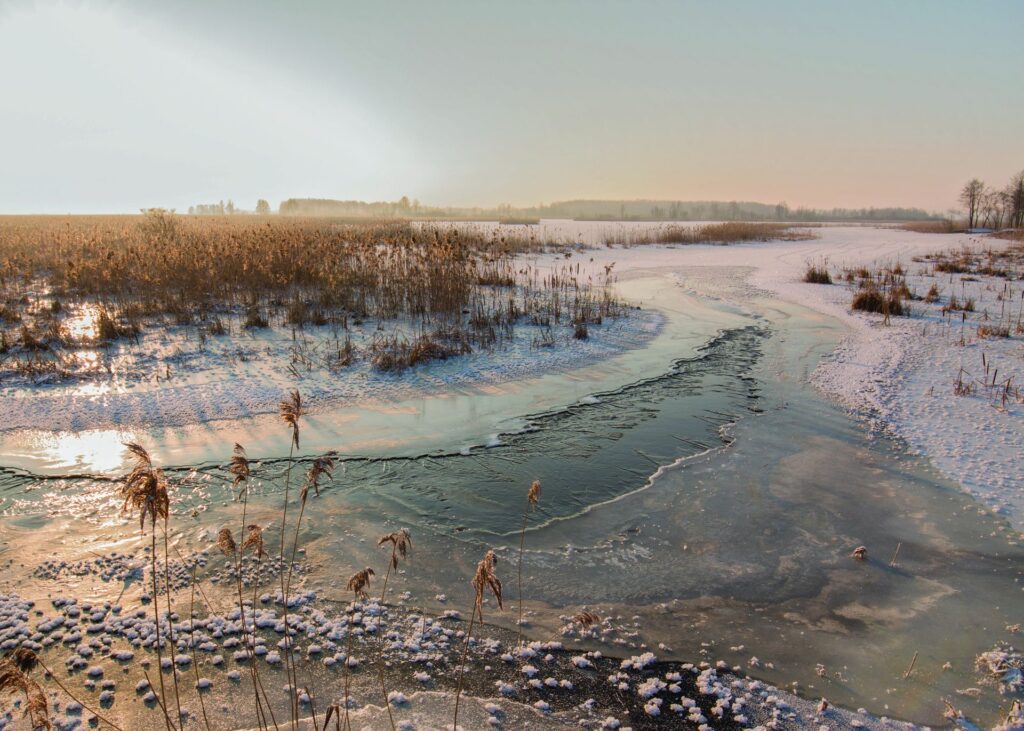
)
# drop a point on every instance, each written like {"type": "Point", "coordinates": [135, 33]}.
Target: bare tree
{"type": "Point", "coordinates": [1013, 197]}
{"type": "Point", "coordinates": [990, 208]}
{"type": "Point", "coordinates": [971, 199]}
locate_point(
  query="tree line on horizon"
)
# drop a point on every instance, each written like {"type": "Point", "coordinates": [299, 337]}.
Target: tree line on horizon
{"type": "Point", "coordinates": [988, 207]}
{"type": "Point", "coordinates": [609, 210]}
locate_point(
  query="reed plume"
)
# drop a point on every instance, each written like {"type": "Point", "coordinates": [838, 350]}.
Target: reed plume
{"type": "Point", "coordinates": [239, 467]}
{"type": "Point", "coordinates": [532, 498]}
{"type": "Point", "coordinates": [14, 670]}
{"type": "Point", "coordinates": [226, 542]}
{"type": "Point", "coordinates": [484, 578]}
{"type": "Point", "coordinates": [241, 470]}
{"type": "Point", "coordinates": [358, 582]}
{"type": "Point", "coordinates": [145, 489]}
{"type": "Point", "coordinates": [254, 541]}
{"type": "Point", "coordinates": [290, 410]}
{"type": "Point", "coordinates": [586, 619]}
{"type": "Point", "coordinates": [401, 544]}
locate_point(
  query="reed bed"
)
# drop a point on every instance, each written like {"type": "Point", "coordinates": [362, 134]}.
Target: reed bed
{"type": "Point", "coordinates": [451, 288]}
{"type": "Point", "coordinates": [712, 233]}
{"type": "Point", "coordinates": [944, 226]}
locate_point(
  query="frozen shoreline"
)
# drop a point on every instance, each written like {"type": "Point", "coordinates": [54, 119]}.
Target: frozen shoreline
{"type": "Point", "coordinates": [899, 378]}
{"type": "Point", "coordinates": [227, 388]}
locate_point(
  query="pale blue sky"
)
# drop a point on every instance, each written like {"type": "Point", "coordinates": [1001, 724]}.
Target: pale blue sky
{"type": "Point", "coordinates": [113, 106]}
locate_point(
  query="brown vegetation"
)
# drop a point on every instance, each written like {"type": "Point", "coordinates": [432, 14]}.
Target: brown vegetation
{"type": "Point", "coordinates": [817, 273]}
{"type": "Point", "coordinates": [460, 287]}
{"type": "Point", "coordinates": [712, 233]}
{"type": "Point", "coordinates": [943, 226]}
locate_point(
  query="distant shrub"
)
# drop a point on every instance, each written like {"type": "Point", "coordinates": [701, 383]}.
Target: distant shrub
{"type": "Point", "coordinates": [871, 299]}
{"type": "Point", "coordinates": [817, 274]}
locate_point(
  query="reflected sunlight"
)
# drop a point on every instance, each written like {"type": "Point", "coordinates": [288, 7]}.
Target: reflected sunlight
{"type": "Point", "coordinates": [83, 325]}
{"type": "Point", "coordinates": [96, 451]}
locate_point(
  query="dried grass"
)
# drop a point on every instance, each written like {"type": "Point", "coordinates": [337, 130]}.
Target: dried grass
{"type": "Point", "coordinates": [712, 233]}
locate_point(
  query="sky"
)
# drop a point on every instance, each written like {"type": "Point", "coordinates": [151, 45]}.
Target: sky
{"type": "Point", "coordinates": [112, 106]}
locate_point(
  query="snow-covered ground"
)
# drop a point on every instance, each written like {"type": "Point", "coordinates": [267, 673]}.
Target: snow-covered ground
{"type": "Point", "coordinates": [172, 377]}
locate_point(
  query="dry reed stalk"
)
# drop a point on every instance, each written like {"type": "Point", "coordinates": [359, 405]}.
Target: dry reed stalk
{"type": "Point", "coordinates": [290, 411]}
{"type": "Point", "coordinates": [387, 703]}
{"type": "Point", "coordinates": [170, 611]}
{"type": "Point", "coordinates": [144, 489]}
{"type": "Point", "coordinates": [484, 578]}
{"type": "Point", "coordinates": [322, 466]}
{"type": "Point", "coordinates": [911, 668]}
{"type": "Point", "coordinates": [357, 584]}
{"type": "Point", "coordinates": [240, 468]}
{"type": "Point", "coordinates": [401, 543]}
{"type": "Point", "coordinates": [192, 644]}
{"type": "Point", "coordinates": [75, 698]}
{"type": "Point", "coordinates": [532, 498]}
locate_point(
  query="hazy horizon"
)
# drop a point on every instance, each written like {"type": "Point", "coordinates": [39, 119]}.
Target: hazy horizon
{"type": "Point", "coordinates": [117, 106]}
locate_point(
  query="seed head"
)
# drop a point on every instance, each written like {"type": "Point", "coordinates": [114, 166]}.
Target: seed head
{"type": "Point", "coordinates": [254, 540]}
{"type": "Point", "coordinates": [144, 488]}
{"type": "Point", "coordinates": [533, 496]}
{"type": "Point", "coordinates": [359, 581]}
{"type": "Point", "coordinates": [485, 578]}
{"type": "Point", "coordinates": [290, 410]}
{"type": "Point", "coordinates": [226, 542]}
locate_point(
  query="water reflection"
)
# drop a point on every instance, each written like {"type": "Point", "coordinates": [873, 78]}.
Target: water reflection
{"type": "Point", "coordinates": [98, 451]}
